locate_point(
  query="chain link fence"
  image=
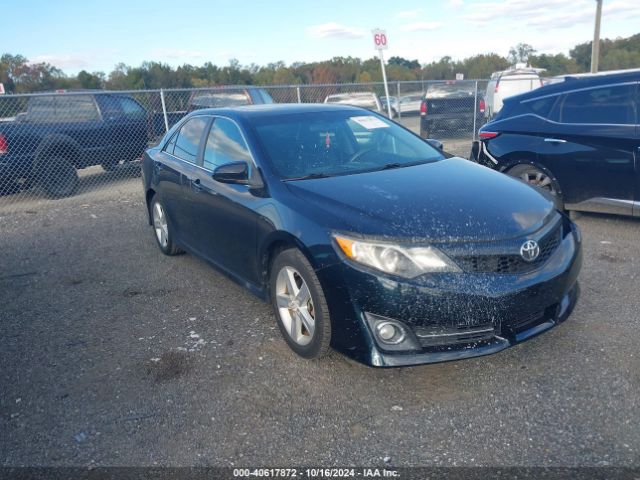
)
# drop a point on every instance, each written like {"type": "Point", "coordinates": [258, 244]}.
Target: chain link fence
{"type": "Point", "coordinates": [61, 144]}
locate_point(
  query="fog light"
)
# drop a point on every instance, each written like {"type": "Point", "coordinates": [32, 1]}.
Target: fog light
{"type": "Point", "coordinates": [389, 333]}
{"type": "Point", "coordinates": [386, 331]}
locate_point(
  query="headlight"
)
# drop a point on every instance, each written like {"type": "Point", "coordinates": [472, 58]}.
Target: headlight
{"type": "Point", "coordinates": [395, 259]}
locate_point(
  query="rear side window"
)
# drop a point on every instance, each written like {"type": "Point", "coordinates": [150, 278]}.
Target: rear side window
{"type": "Point", "coordinates": [62, 108]}
{"type": "Point", "coordinates": [603, 105]}
{"type": "Point", "coordinates": [542, 106]}
{"type": "Point", "coordinates": [76, 108]}
{"type": "Point", "coordinates": [225, 144]}
{"type": "Point", "coordinates": [188, 139]}
{"type": "Point", "coordinates": [131, 108]}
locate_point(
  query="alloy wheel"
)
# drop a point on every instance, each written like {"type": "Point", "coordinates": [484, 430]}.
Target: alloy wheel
{"type": "Point", "coordinates": [295, 305]}
{"type": "Point", "coordinates": [539, 179]}
{"type": "Point", "coordinates": [160, 225]}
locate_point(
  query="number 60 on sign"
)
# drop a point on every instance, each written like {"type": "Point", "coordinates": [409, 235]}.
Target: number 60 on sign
{"type": "Point", "coordinates": [380, 39]}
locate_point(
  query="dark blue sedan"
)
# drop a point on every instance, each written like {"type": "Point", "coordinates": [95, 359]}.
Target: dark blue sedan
{"type": "Point", "coordinates": [362, 235]}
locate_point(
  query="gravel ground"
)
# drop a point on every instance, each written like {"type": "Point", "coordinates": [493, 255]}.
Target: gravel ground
{"type": "Point", "coordinates": [113, 354]}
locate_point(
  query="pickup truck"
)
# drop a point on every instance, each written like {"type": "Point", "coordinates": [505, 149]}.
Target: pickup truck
{"type": "Point", "coordinates": [61, 133]}
{"type": "Point", "coordinates": [449, 107]}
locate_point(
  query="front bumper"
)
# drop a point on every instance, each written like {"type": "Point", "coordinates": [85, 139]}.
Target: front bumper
{"type": "Point", "coordinates": [516, 307]}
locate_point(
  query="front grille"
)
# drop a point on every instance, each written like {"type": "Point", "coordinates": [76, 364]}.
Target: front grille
{"type": "Point", "coordinates": [513, 263]}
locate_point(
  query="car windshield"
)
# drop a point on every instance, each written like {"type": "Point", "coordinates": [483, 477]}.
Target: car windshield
{"type": "Point", "coordinates": [454, 89]}
{"type": "Point", "coordinates": [357, 100]}
{"type": "Point", "coordinates": [220, 99]}
{"type": "Point", "coordinates": [314, 144]}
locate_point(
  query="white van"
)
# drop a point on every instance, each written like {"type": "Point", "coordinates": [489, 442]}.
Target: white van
{"type": "Point", "coordinates": [518, 79]}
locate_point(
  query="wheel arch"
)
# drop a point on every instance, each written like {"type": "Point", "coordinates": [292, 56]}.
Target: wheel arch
{"type": "Point", "coordinates": [275, 243]}
{"type": "Point", "coordinates": [150, 193]}
{"type": "Point", "coordinates": [511, 165]}
{"type": "Point", "coordinates": [58, 144]}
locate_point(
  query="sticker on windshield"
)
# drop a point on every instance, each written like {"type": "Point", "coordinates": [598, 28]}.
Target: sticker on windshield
{"type": "Point", "coordinates": [370, 122]}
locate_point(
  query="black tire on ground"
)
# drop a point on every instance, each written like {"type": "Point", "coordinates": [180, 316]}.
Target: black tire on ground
{"type": "Point", "coordinates": [318, 346]}
{"type": "Point", "coordinates": [162, 230]}
{"type": "Point", "coordinates": [57, 176]}
{"type": "Point", "coordinates": [538, 178]}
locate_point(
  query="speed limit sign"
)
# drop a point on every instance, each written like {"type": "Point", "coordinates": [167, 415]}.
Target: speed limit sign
{"type": "Point", "coordinates": [380, 39]}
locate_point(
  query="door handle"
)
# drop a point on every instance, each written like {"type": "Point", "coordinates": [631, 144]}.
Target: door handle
{"type": "Point", "coordinates": [555, 140]}
{"type": "Point", "coordinates": [158, 166]}
{"type": "Point", "coordinates": [196, 184]}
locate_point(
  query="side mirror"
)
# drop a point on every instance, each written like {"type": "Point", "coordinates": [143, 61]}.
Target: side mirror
{"type": "Point", "coordinates": [435, 143]}
{"type": "Point", "coordinates": [234, 172]}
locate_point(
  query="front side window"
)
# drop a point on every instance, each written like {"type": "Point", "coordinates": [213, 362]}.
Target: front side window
{"type": "Point", "coordinates": [225, 144]}
{"type": "Point", "coordinates": [602, 105]}
{"type": "Point", "coordinates": [338, 143]}
{"type": "Point", "coordinates": [188, 139]}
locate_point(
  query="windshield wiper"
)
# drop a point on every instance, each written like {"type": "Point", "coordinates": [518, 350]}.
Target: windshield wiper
{"type": "Point", "coordinates": [391, 166]}
{"type": "Point", "coordinates": [309, 176]}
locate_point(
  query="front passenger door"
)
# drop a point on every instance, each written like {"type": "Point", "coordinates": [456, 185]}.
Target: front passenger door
{"type": "Point", "coordinates": [226, 219]}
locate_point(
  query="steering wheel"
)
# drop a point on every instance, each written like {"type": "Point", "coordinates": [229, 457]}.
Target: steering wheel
{"type": "Point", "coordinates": [356, 156]}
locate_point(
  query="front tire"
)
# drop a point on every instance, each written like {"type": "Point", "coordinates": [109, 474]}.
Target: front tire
{"type": "Point", "coordinates": [162, 228]}
{"type": "Point", "coordinates": [538, 178]}
{"type": "Point", "coordinates": [299, 305]}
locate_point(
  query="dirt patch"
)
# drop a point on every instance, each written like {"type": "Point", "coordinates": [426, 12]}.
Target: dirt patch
{"type": "Point", "coordinates": [170, 365]}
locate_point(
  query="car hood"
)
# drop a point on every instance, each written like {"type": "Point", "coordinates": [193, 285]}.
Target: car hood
{"type": "Point", "coordinates": [448, 200]}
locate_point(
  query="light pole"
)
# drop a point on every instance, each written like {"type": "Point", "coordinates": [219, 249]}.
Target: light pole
{"type": "Point", "coordinates": [595, 47]}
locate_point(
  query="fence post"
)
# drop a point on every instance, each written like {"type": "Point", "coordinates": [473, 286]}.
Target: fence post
{"type": "Point", "coordinates": [164, 111]}
{"type": "Point", "coordinates": [475, 113]}
{"type": "Point", "coordinates": [399, 109]}
{"type": "Point", "coordinates": [298, 92]}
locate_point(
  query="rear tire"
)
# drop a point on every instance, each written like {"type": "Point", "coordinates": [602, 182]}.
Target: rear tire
{"type": "Point", "coordinates": [162, 230]}
{"type": "Point", "coordinates": [299, 304]}
{"type": "Point", "coordinates": [58, 177]}
{"type": "Point", "coordinates": [538, 178]}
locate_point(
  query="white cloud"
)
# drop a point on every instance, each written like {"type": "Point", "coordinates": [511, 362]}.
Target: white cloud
{"type": "Point", "coordinates": [336, 30]}
{"type": "Point", "coordinates": [409, 13]}
{"type": "Point", "coordinates": [455, 3]}
{"type": "Point", "coordinates": [420, 26]}
{"type": "Point", "coordinates": [64, 61]}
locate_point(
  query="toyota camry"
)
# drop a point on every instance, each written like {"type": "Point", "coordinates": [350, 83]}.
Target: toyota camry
{"type": "Point", "coordinates": [364, 237]}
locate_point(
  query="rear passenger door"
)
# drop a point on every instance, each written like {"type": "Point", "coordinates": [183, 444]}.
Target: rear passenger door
{"type": "Point", "coordinates": [178, 158]}
{"type": "Point", "coordinates": [590, 147]}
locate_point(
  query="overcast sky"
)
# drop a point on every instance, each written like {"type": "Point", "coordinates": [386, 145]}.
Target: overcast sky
{"type": "Point", "coordinates": [83, 34]}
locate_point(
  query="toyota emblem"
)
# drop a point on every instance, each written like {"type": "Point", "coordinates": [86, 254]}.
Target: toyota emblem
{"type": "Point", "coordinates": [529, 250]}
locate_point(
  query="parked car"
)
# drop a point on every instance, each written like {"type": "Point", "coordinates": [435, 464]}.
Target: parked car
{"type": "Point", "coordinates": [368, 100]}
{"type": "Point", "coordinates": [228, 97]}
{"type": "Point", "coordinates": [60, 133]}
{"type": "Point", "coordinates": [407, 104]}
{"type": "Point", "coordinates": [516, 80]}
{"type": "Point", "coordinates": [450, 107]}
{"type": "Point", "coordinates": [578, 139]}
{"type": "Point", "coordinates": [361, 235]}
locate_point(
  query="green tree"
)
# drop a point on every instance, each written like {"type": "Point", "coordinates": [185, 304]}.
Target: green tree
{"type": "Point", "coordinates": [520, 53]}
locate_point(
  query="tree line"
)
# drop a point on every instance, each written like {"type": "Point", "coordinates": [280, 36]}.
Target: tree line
{"type": "Point", "coordinates": [21, 76]}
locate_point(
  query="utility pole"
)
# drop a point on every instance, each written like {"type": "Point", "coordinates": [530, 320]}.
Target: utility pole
{"type": "Point", "coordinates": [595, 47]}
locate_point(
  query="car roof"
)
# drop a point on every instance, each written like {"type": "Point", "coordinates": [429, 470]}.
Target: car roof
{"type": "Point", "coordinates": [573, 83]}
{"type": "Point", "coordinates": [269, 109]}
